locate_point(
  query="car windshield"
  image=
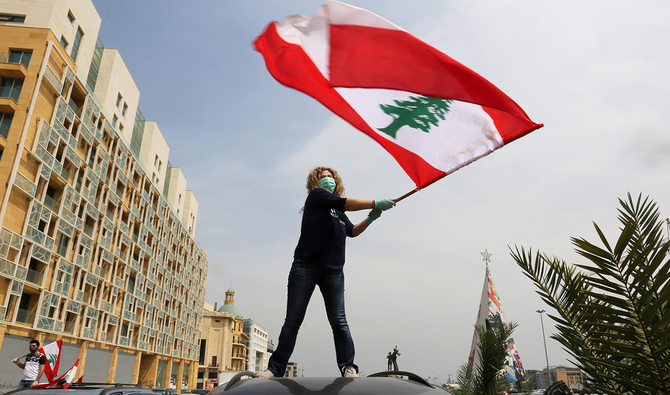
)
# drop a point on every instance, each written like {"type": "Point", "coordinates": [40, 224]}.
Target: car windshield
{"type": "Point", "coordinates": [160, 392]}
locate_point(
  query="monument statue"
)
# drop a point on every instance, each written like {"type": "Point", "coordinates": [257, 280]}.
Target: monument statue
{"type": "Point", "coordinates": [392, 358]}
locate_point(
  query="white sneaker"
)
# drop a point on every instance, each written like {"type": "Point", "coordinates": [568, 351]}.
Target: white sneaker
{"type": "Point", "coordinates": [350, 371]}
{"type": "Point", "coordinates": [266, 374]}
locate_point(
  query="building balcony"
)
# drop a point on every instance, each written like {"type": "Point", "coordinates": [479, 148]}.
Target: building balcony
{"type": "Point", "coordinates": [25, 317]}
{"type": "Point", "coordinates": [7, 105]}
{"type": "Point", "coordinates": [11, 92]}
{"type": "Point", "coordinates": [34, 277]}
{"type": "Point", "coordinates": [11, 69]}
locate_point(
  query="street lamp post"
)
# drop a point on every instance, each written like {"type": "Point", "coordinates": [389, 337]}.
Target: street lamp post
{"type": "Point", "coordinates": [544, 338]}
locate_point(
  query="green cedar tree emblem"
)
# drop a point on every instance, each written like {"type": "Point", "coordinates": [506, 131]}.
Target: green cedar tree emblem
{"type": "Point", "coordinates": [419, 112]}
{"type": "Point", "coordinates": [52, 359]}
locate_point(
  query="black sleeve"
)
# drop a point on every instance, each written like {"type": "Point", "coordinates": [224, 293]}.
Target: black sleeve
{"type": "Point", "coordinates": [43, 360]}
{"type": "Point", "coordinates": [321, 197]}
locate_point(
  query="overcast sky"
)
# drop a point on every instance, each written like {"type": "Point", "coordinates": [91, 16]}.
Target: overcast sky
{"type": "Point", "coordinates": [595, 73]}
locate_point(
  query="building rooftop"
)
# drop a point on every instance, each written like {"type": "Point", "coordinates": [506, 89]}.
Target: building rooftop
{"type": "Point", "coordinates": [230, 309]}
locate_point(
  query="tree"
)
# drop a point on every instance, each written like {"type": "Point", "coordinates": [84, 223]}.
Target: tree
{"type": "Point", "coordinates": [420, 112]}
{"type": "Point", "coordinates": [613, 312]}
{"type": "Point", "coordinates": [487, 377]}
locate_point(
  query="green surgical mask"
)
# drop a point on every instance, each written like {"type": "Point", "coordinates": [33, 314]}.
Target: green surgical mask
{"type": "Point", "coordinates": [327, 183]}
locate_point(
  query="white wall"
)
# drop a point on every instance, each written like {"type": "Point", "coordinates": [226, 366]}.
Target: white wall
{"type": "Point", "coordinates": [154, 146]}
{"type": "Point", "coordinates": [190, 215]}
{"type": "Point", "coordinates": [177, 193]}
{"type": "Point", "coordinates": [114, 79]}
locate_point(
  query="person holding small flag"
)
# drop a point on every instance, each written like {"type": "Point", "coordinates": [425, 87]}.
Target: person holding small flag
{"type": "Point", "coordinates": [319, 260]}
{"type": "Point", "coordinates": [33, 367]}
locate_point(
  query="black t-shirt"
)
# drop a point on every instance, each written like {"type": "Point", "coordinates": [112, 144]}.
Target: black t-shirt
{"type": "Point", "coordinates": [324, 230]}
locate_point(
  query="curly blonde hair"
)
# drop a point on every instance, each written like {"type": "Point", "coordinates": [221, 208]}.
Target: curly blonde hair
{"type": "Point", "coordinates": [313, 180]}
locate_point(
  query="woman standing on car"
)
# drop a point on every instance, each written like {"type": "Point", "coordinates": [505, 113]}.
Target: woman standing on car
{"type": "Point", "coordinates": [318, 260]}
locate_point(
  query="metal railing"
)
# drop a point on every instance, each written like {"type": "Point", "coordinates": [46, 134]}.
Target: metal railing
{"type": "Point", "coordinates": [53, 79]}
{"type": "Point", "coordinates": [15, 57]}
{"type": "Point", "coordinates": [11, 92]}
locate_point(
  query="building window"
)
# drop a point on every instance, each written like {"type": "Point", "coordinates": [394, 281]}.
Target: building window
{"type": "Point", "coordinates": [118, 100]}
{"type": "Point", "coordinates": [5, 123]}
{"type": "Point", "coordinates": [70, 17]}
{"type": "Point", "coordinates": [19, 56]}
{"type": "Point", "coordinates": [203, 348]}
{"type": "Point", "coordinates": [12, 18]}
{"type": "Point", "coordinates": [115, 120]}
{"type": "Point", "coordinates": [63, 42]}
{"type": "Point", "coordinates": [125, 109]}
{"type": "Point", "coordinates": [11, 88]}
{"type": "Point", "coordinates": [62, 245]}
{"type": "Point", "coordinates": [75, 45]}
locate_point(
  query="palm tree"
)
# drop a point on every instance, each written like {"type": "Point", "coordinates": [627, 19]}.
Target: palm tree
{"type": "Point", "coordinates": [487, 376]}
{"type": "Point", "coordinates": [613, 312]}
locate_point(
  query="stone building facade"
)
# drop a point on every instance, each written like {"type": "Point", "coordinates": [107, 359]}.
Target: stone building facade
{"type": "Point", "coordinates": [223, 347]}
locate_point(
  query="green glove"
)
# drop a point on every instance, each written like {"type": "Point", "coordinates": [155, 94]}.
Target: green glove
{"type": "Point", "coordinates": [374, 214]}
{"type": "Point", "coordinates": [384, 204]}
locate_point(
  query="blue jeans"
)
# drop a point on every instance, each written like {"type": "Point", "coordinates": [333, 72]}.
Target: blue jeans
{"type": "Point", "coordinates": [302, 280]}
{"type": "Point", "coordinates": [25, 384]}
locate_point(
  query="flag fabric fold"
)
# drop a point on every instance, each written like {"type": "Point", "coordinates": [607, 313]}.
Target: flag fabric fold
{"type": "Point", "coordinates": [430, 112]}
{"type": "Point", "coordinates": [52, 352]}
{"type": "Point", "coordinates": [63, 381]}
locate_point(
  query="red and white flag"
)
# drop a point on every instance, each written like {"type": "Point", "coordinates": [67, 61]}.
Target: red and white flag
{"type": "Point", "coordinates": [433, 114]}
{"type": "Point", "coordinates": [66, 379]}
{"type": "Point", "coordinates": [52, 353]}
{"type": "Point", "coordinates": [63, 381]}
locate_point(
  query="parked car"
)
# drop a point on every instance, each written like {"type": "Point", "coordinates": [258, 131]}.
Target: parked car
{"type": "Point", "coordinates": [388, 383]}
{"type": "Point", "coordinates": [162, 391]}
{"type": "Point", "coordinates": [87, 389]}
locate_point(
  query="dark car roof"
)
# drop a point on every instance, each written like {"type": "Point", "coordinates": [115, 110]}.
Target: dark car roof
{"type": "Point", "coordinates": [330, 386]}
{"type": "Point", "coordinates": [85, 390]}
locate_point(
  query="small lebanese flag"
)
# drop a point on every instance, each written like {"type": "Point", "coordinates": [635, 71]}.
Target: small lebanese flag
{"type": "Point", "coordinates": [64, 381]}
{"type": "Point", "coordinates": [433, 114]}
{"type": "Point", "coordinates": [69, 376]}
{"type": "Point", "coordinates": [52, 353]}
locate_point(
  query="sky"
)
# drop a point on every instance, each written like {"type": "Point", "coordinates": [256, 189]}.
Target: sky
{"type": "Point", "coordinates": [595, 73]}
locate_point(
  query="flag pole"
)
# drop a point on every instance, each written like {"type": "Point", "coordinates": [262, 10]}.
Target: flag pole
{"type": "Point", "coordinates": [408, 194]}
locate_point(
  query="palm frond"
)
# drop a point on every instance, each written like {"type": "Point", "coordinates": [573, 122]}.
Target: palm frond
{"type": "Point", "coordinates": [614, 320]}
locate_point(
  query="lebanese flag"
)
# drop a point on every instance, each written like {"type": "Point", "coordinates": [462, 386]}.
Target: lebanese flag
{"type": "Point", "coordinates": [433, 114]}
{"type": "Point", "coordinates": [67, 379]}
{"type": "Point", "coordinates": [63, 381]}
{"type": "Point", "coordinates": [52, 353]}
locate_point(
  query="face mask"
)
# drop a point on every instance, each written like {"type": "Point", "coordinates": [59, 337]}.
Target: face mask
{"type": "Point", "coordinates": [327, 183]}
{"type": "Point", "coordinates": [33, 348]}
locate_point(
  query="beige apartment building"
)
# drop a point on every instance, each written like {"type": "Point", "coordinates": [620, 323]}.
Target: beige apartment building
{"type": "Point", "coordinates": [96, 227]}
